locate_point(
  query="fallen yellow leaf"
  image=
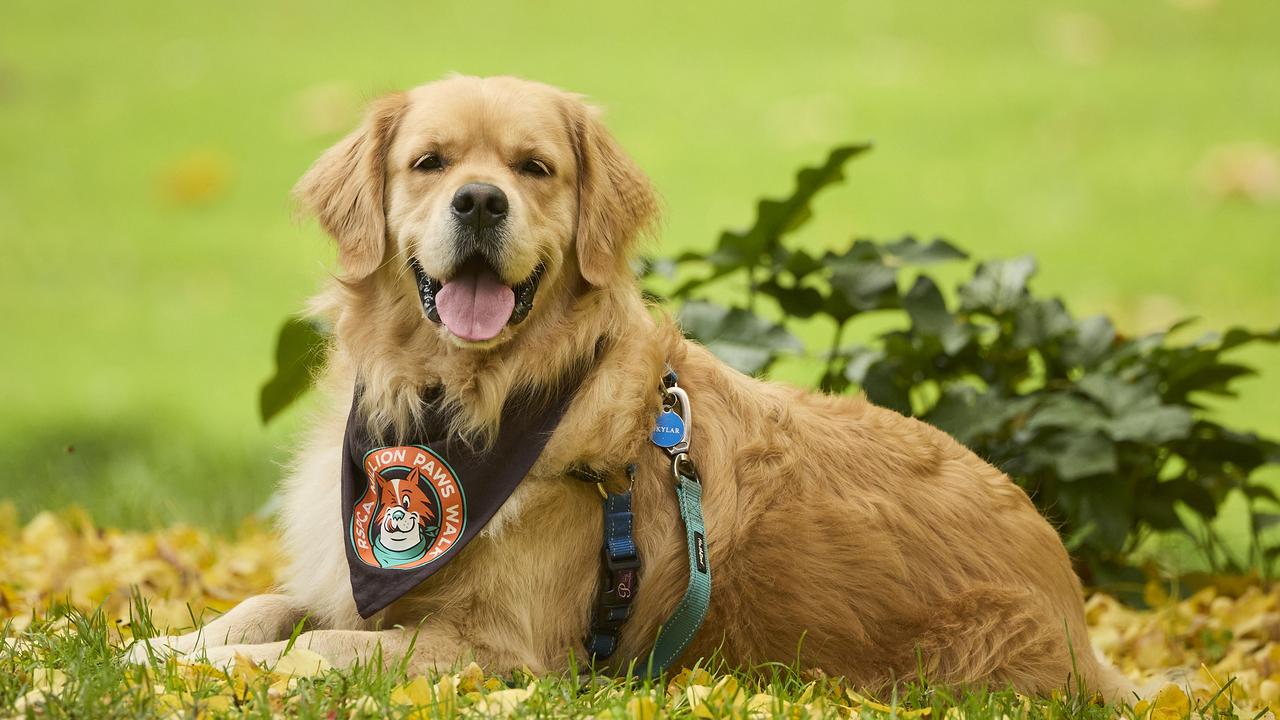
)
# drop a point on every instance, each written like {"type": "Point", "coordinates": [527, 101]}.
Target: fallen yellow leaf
{"type": "Point", "coordinates": [503, 702]}
{"type": "Point", "coordinates": [301, 662]}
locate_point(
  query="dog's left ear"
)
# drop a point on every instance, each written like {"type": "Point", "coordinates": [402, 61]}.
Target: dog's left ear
{"type": "Point", "coordinates": [616, 202]}
{"type": "Point", "coordinates": [345, 188]}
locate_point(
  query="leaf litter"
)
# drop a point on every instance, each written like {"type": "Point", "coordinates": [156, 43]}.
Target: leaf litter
{"type": "Point", "coordinates": [73, 595]}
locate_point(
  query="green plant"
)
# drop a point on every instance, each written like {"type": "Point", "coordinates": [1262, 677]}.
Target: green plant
{"type": "Point", "coordinates": [1104, 431]}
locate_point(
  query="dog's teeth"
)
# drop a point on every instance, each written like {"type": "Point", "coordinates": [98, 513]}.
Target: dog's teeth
{"type": "Point", "coordinates": [523, 306]}
{"type": "Point", "coordinates": [427, 289]}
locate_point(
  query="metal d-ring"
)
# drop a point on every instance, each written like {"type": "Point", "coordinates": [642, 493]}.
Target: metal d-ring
{"type": "Point", "coordinates": [631, 481]}
{"type": "Point", "coordinates": [682, 466]}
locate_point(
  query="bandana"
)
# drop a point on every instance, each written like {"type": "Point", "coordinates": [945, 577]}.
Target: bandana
{"type": "Point", "coordinates": [410, 508]}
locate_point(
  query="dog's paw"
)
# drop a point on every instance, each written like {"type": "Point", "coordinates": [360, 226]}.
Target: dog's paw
{"type": "Point", "coordinates": [224, 658]}
{"type": "Point", "coordinates": [141, 652]}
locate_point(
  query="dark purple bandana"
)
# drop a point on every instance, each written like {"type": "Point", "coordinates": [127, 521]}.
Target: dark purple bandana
{"type": "Point", "coordinates": [410, 507]}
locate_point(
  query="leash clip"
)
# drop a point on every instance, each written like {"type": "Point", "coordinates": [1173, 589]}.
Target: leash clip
{"type": "Point", "coordinates": [682, 466]}
{"type": "Point", "coordinates": [675, 425]}
{"type": "Point", "coordinates": [675, 401]}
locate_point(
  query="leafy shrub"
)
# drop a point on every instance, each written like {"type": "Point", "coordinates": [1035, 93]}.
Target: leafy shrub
{"type": "Point", "coordinates": [1104, 431]}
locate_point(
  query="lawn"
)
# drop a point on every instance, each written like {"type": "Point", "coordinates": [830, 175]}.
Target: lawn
{"type": "Point", "coordinates": [148, 151]}
{"type": "Point", "coordinates": [73, 595]}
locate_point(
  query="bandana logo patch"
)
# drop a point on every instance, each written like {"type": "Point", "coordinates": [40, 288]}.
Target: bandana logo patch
{"type": "Point", "coordinates": [412, 511]}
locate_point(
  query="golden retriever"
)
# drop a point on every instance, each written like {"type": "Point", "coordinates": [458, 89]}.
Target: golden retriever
{"type": "Point", "coordinates": [843, 536]}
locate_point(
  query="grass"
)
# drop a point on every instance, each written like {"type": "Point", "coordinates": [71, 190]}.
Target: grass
{"type": "Point", "coordinates": [68, 665]}
{"type": "Point", "coordinates": [74, 594]}
{"type": "Point", "coordinates": [148, 154]}
{"type": "Point", "coordinates": [91, 682]}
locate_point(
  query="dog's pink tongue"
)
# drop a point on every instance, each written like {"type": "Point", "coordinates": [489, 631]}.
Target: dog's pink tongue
{"type": "Point", "coordinates": [475, 305]}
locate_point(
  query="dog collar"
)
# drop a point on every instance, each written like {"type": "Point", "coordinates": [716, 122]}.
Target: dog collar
{"type": "Point", "coordinates": [409, 507]}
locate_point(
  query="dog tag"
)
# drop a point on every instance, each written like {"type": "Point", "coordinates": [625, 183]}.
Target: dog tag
{"type": "Point", "coordinates": [669, 431]}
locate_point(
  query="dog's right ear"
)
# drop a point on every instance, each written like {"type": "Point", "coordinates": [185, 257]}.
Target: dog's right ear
{"type": "Point", "coordinates": [345, 188]}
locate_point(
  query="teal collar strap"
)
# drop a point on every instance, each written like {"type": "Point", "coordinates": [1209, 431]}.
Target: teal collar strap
{"type": "Point", "coordinates": [672, 435]}
{"type": "Point", "coordinates": [678, 631]}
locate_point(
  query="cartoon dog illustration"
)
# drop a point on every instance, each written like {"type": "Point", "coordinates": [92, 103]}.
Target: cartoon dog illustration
{"type": "Point", "coordinates": [404, 523]}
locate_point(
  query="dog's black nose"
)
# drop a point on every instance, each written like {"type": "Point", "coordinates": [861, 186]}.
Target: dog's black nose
{"type": "Point", "coordinates": [480, 205]}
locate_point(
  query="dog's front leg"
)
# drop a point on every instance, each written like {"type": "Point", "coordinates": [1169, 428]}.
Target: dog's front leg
{"type": "Point", "coordinates": [259, 619]}
{"type": "Point", "coordinates": [345, 648]}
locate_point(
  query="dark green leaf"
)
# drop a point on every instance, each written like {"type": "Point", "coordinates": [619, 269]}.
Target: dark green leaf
{"type": "Point", "coordinates": [1086, 454]}
{"type": "Point", "coordinates": [967, 415]}
{"type": "Point", "coordinates": [866, 286]}
{"type": "Point", "coordinates": [1117, 394]}
{"type": "Point", "coordinates": [1261, 492]}
{"type": "Point", "coordinates": [930, 318]}
{"type": "Point", "coordinates": [1156, 507]}
{"type": "Point", "coordinates": [1236, 337]}
{"type": "Point", "coordinates": [1212, 445]}
{"type": "Point", "coordinates": [1066, 411]}
{"type": "Point", "coordinates": [800, 302]}
{"type": "Point", "coordinates": [998, 285]}
{"type": "Point", "coordinates": [299, 355]}
{"type": "Point", "coordinates": [927, 308]}
{"type": "Point", "coordinates": [1214, 378]}
{"type": "Point", "coordinates": [861, 251]}
{"type": "Point", "coordinates": [1263, 521]}
{"type": "Point", "coordinates": [1109, 506]}
{"type": "Point", "coordinates": [860, 360]}
{"type": "Point", "coordinates": [885, 386]}
{"type": "Point", "coordinates": [1075, 540]}
{"type": "Point", "coordinates": [909, 251]}
{"type": "Point", "coordinates": [1150, 423]}
{"type": "Point", "coordinates": [1039, 322]}
{"type": "Point", "coordinates": [838, 308]}
{"type": "Point", "coordinates": [740, 338]}
{"type": "Point", "coordinates": [1193, 495]}
{"type": "Point", "coordinates": [1094, 337]}
{"type": "Point", "coordinates": [800, 264]}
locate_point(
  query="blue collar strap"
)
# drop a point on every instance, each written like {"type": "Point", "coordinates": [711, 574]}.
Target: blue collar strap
{"type": "Point", "coordinates": [620, 577]}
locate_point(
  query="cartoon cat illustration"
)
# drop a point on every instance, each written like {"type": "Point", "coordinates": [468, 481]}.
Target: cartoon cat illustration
{"type": "Point", "coordinates": [404, 522]}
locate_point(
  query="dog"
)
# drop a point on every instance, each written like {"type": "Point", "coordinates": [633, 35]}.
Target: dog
{"type": "Point", "coordinates": [844, 537]}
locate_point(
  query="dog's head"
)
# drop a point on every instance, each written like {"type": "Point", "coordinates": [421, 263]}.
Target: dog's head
{"type": "Point", "coordinates": [503, 192]}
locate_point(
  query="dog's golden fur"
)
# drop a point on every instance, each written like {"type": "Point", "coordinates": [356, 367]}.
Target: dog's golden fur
{"type": "Point", "coordinates": [842, 535]}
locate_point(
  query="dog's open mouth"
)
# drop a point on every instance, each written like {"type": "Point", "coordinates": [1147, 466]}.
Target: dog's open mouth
{"type": "Point", "coordinates": [475, 304]}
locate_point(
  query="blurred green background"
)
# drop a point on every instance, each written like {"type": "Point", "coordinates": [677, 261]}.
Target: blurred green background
{"type": "Point", "coordinates": [148, 150]}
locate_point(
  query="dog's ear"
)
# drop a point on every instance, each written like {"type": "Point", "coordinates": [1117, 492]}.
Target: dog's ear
{"type": "Point", "coordinates": [345, 188]}
{"type": "Point", "coordinates": [616, 202]}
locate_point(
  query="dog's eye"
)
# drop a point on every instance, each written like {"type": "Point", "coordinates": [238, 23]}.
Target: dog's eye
{"type": "Point", "coordinates": [535, 167]}
{"type": "Point", "coordinates": [429, 163]}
